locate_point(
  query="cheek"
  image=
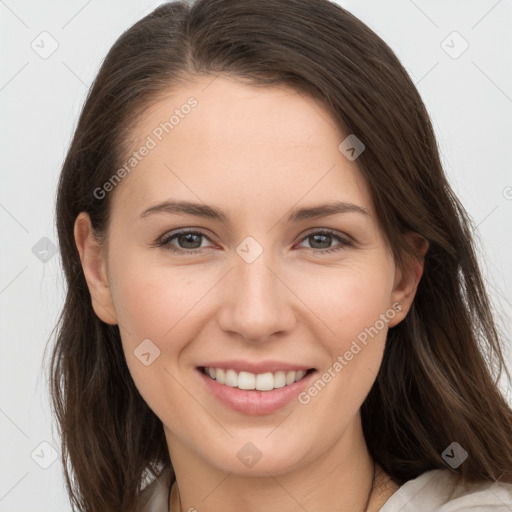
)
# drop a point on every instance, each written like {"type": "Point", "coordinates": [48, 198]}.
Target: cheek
{"type": "Point", "coordinates": [155, 312]}
{"type": "Point", "coordinates": [152, 302]}
{"type": "Point", "coordinates": [348, 299]}
{"type": "Point", "coordinates": [356, 308]}
{"type": "Point", "coordinates": [155, 316]}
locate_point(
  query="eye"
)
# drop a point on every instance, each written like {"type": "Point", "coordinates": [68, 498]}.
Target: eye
{"type": "Point", "coordinates": [324, 238]}
{"type": "Point", "coordinates": [189, 240]}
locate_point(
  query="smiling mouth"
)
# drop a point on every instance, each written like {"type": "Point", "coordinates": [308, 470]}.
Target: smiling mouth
{"type": "Point", "coordinates": [250, 381]}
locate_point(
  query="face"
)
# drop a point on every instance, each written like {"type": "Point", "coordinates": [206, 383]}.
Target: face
{"type": "Point", "coordinates": [254, 283]}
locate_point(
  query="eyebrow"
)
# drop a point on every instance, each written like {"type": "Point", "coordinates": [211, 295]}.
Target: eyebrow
{"type": "Point", "coordinates": [212, 212]}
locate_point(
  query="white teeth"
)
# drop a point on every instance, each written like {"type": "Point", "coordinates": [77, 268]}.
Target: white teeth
{"type": "Point", "coordinates": [247, 380]}
{"type": "Point", "coordinates": [299, 375]}
{"type": "Point", "coordinates": [290, 378]}
{"type": "Point", "coordinates": [219, 376]}
{"type": "Point", "coordinates": [231, 378]}
{"type": "Point", "coordinates": [279, 379]}
{"type": "Point", "coordinates": [265, 382]}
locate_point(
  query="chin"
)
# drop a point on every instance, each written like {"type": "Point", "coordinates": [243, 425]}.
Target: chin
{"type": "Point", "coordinates": [258, 459]}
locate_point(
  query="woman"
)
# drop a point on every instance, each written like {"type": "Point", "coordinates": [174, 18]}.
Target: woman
{"type": "Point", "coordinates": [273, 297]}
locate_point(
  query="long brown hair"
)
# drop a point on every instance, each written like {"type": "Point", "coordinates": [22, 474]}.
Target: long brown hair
{"type": "Point", "coordinates": [438, 379]}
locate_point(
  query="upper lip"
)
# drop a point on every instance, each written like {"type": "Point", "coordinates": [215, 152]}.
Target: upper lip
{"type": "Point", "coordinates": [253, 367]}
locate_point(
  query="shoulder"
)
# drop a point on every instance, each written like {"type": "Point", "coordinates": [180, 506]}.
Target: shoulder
{"type": "Point", "coordinates": [440, 490]}
{"type": "Point", "coordinates": [154, 496]}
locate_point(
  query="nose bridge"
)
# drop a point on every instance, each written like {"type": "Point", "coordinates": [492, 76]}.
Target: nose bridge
{"type": "Point", "coordinates": [259, 302]}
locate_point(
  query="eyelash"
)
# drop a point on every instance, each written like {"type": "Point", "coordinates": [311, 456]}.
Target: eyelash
{"type": "Point", "coordinates": [165, 242]}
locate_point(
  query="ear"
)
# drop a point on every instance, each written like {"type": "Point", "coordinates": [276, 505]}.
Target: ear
{"type": "Point", "coordinates": [94, 266]}
{"type": "Point", "coordinates": [406, 282]}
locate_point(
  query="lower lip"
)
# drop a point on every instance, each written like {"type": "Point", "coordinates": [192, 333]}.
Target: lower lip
{"type": "Point", "coordinates": [254, 402]}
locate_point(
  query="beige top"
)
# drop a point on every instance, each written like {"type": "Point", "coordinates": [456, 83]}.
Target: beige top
{"type": "Point", "coordinates": [435, 490]}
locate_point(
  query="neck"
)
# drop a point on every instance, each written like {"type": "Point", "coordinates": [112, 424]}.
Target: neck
{"type": "Point", "coordinates": [342, 478]}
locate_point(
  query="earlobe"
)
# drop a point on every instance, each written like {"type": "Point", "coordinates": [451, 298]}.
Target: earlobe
{"type": "Point", "coordinates": [94, 265]}
{"type": "Point", "coordinates": [407, 281]}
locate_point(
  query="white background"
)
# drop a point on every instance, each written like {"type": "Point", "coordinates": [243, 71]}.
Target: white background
{"type": "Point", "coordinates": [469, 99]}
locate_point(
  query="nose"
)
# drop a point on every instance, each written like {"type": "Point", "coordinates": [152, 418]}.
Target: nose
{"type": "Point", "coordinates": [257, 305]}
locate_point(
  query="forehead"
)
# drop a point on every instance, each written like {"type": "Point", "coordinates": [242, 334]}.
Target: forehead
{"type": "Point", "coordinates": [218, 140]}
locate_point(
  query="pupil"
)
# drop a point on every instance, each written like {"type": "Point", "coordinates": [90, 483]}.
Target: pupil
{"type": "Point", "coordinates": [188, 239]}
{"type": "Point", "coordinates": [322, 237]}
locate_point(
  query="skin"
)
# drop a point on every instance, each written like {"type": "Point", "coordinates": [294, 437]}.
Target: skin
{"type": "Point", "coordinates": [254, 153]}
